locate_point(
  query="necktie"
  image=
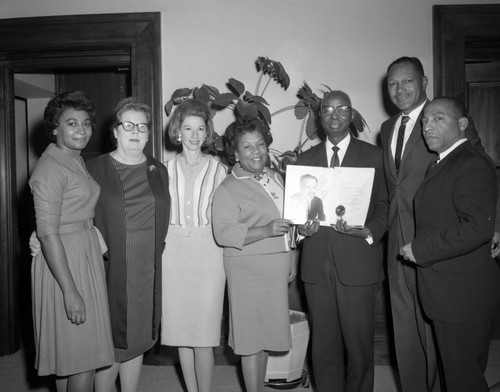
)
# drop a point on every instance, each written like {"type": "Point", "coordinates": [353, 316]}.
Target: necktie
{"type": "Point", "coordinates": [431, 166]}
{"type": "Point", "coordinates": [399, 144]}
{"type": "Point", "coordinates": [335, 157]}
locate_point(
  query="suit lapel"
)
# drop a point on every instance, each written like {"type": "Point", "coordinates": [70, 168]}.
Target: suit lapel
{"type": "Point", "coordinates": [319, 157]}
{"type": "Point", "coordinates": [445, 162]}
{"type": "Point", "coordinates": [389, 157]}
{"type": "Point", "coordinates": [351, 157]}
{"type": "Point", "coordinates": [415, 137]}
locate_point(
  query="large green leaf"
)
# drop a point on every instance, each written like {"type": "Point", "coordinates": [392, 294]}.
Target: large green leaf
{"type": "Point", "coordinates": [202, 94]}
{"type": "Point", "coordinates": [181, 94]}
{"type": "Point", "coordinates": [249, 97]}
{"type": "Point", "coordinates": [312, 126]}
{"type": "Point", "coordinates": [264, 111]}
{"type": "Point", "coordinates": [301, 110]}
{"type": "Point", "coordinates": [246, 109]}
{"type": "Point", "coordinates": [213, 91]}
{"type": "Point", "coordinates": [238, 87]}
{"type": "Point", "coordinates": [224, 99]}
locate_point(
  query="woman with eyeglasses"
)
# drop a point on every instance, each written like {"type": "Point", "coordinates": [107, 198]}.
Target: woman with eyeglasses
{"type": "Point", "coordinates": [70, 306]}
{"type": "Point", "coordinates": [133, 214]}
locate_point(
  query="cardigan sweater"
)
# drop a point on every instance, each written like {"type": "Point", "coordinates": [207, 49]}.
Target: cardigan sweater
{"type": "Point", "coordinates": [241, 202]}
{"type": "Point", "coordinates": [110, 220]}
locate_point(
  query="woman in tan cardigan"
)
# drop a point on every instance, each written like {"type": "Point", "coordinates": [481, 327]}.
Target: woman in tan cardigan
{"type": "Point", "coordinates": [247, 211]}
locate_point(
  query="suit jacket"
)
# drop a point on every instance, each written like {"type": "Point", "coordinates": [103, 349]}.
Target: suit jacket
{"type": "Point", "coordinates": [316, 209]}
{"type": "Point", "coordinates": [455, 215]}
{"type": "Point", "coordinates": [110, 220]}
{"type": "Point", "coordinates": [357, 262]}
{"type": "Point", "coordinates": [403, 185]}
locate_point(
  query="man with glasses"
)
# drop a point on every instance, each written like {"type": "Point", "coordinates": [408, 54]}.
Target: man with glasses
{"type": "Point", "coordinates": [341, 266]}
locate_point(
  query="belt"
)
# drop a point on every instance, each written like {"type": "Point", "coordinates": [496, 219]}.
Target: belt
{"type": "Point", "coordinates": [77, 226]}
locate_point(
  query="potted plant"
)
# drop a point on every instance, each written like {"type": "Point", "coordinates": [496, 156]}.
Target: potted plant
{"type": "Point", "coordinates": [242, 102]}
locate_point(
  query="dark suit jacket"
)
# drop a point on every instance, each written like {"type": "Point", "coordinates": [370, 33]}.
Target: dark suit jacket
{"type": "Point", "coordinates": [110, 220]}
{"type": "Point", "coordinates": [357, 262]}
{"type": "Point", "coordinates": [316, 209]}
{"type": "Point", "coordinates": [402, 186]}
{"type": "Point", "coordinates": [455, 216]}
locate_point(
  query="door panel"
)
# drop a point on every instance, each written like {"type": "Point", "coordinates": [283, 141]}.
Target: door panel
{"type": "Point", "coordinates": [105, 89]}
{"type": "Point", "coordinates": [484, 104]}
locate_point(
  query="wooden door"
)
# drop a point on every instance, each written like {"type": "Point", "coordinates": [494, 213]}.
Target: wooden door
{"type": "Point", "coordinates": [60, 44]}
{"type": "Point", "coordinates": [483, 101]}
{"type": "Point", "coordinates": [105, 89]}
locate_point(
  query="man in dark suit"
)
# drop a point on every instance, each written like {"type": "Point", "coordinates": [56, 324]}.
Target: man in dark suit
{"type": "Point", "coordinates": [458, 281]}
{"type": "Point", "coordinates": [341, 266]}
{"type": "Point", "coordinates": [414, 344]}
{"type": "Point", "coordinates": [406, 158]}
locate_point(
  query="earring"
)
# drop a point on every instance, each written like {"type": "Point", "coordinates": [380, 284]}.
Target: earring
{"type": "Point", "coordinates": [54, 132]}
{"type": "Point", "coordinates": [179, 137]}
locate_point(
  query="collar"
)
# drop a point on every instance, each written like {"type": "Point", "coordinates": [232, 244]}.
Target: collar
{"type": "Point", "coordinates": [241, 173]}
{"type": "Point", "coordinates": [450, 149]}
{"type": "Point", "coordinates": [342, 145]}
{"type": "Point", "coordinates": [415, 113]}
{"type": "Point", "coordinates": [61, 157]}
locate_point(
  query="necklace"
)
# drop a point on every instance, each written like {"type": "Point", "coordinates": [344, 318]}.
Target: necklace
{"type": "Point", "coordinates": [260, 177]}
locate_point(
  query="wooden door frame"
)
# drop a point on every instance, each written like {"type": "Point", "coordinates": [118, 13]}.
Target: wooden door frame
{"type": "Point", "coordinates": [62, 43]}
{"type": "Point", "coordinates": [452, 25]}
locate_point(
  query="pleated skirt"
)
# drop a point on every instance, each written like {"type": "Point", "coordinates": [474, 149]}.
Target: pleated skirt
{"type": "Point", "coordinates": [63, 348]}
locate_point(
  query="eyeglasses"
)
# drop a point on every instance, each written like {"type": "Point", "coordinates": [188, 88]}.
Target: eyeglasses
{"type": "Point", "coordinates": [129, 126]}
{"type": "Point", "coordinates": [342, 110]}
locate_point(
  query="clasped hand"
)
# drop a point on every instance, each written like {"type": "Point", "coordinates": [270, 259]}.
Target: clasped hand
{"type": "Point", "coordinates": [342, 227]}
{"type": "Point", "coordinates": [309, 228]}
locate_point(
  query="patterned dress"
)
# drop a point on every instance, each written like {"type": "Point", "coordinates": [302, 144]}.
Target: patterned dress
{"type": "Point", "coordinates": [140, 243]}
{"type": "Point", "coordinates": [65, 196]}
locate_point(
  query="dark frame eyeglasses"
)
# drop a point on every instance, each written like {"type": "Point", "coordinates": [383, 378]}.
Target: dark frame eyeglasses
{"type": "Point", "coordinates": [341, 110]}
{"type": "Point", "coordinates": [129, 126]}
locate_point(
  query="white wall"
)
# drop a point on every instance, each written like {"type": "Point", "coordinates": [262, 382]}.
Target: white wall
{"type": "Point", "coordinates": [345, 44]}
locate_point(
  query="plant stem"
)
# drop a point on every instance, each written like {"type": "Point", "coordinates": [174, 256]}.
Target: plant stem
{"type": "Point", "coordinates": [305, 141]}
{"type": "Point", "coordinates": [258, 82]}
{"type": "Point", "coordinates": [265, 87]}
{"type": "Point", "coordinates": [302, 128]}
{"type": "Point", "coordinates": [282, 110]}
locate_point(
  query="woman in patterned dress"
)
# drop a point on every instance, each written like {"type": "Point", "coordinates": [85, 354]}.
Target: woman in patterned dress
{"type": "Point", "coordinates": [70, 305]}
{"type": "Point", "coordinates": [247, 211]}
{"type": "Point", "coordinates": [132, 214]}
{"type": "Point", "coordinates": [193, 274]}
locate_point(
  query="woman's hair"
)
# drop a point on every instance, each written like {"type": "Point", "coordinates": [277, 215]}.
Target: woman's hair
{"type": "Point", "coordinates": [77, 100]}
{"type": "Point", "coordinates": [187, 108]}
{"type": "Point", "coordinates": [243, 125]}
{"type": "Point", "coordinates": [130, 104]}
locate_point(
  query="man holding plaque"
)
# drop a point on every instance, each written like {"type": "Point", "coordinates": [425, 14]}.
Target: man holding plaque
{"type": "Point", "coordinates": [341, 266]}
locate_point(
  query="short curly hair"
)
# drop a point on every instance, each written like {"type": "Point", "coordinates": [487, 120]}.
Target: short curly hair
{"type": "Point", "coordinates": [77, 100]}
{"type": "Point", "coordinates": [243, 125]}
{"type": "Point", "coordinates": [132, 104]}
{"type": "Point", "coordinates": [188, 108]}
